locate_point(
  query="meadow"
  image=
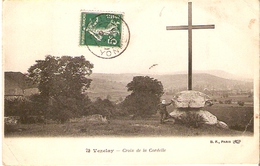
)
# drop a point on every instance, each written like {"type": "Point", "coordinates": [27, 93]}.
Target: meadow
{"type": "Point", "coordinates": [236, 117]}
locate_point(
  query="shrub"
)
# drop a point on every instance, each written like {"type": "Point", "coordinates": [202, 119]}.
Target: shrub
{"type": "Point", "coordinates": [193, 120]}
{"type": "Point", "coordinates": [241, 103]}
{"type": "Point", "coordinates": [17, 107]}
{"type": "Point", "coordinates": [103, 107]}
{"type": "Point", "coordinates": [228, 101]}
{"type": "Point", "coordinates": [63, 108]}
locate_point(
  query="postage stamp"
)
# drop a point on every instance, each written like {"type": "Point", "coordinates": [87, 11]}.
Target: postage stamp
{"type": "Point", "coordinates": [105, 34]}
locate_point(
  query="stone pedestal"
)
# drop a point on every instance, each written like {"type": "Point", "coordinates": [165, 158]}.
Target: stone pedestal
{"type": "Point", "coordinates": [190, 99]}
{"type": "Point", "coordinates": [189, 107]}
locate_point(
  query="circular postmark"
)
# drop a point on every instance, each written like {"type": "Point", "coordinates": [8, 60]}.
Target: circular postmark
{"type": "Point", "coordinates": [107, 35]}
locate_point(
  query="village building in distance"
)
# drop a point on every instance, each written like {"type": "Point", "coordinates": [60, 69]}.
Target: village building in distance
{"type": "Point", "coordinates": [17, 85]}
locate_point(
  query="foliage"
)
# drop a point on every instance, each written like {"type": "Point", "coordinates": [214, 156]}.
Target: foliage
{"type": "Point", "coordinates": [59, 108]}
{"type": "Point", "coordinates": [145, 96]}
{"type": "Point", "coordinates": [28, 110]}
{"type": "Point", "coordinates": [63, 108]}
{"type": "Point", "coordinates": [17, 107]}
{"type": "Point", "coordinates": [141, 104]}
{"type": "Point", "coordinates": [193, 120]}
{"type": "Point", "coordinates": [61, 82]}
{"type": "Point", "coordinates": [228, 101]}
{"type": "Point", "coordinates": [61, 76]}
{"type": "Point", "coordinates": [38, 104]}
{"type": "Point", "coordinates": [147, 85]}
{"type": "Point", "coordinates": [103, 107]}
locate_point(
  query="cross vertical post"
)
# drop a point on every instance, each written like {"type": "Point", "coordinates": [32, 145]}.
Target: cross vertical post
{"type": "Point", "coordinates": [189, 28]}
{"type": "Point", "coordinates": [190, 46]}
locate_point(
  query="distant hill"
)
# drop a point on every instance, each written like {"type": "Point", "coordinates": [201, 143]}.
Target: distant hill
{"type": "Point", "coordinates": [201, 81]}
{"type": "Point", "coordinates": [114, 85]}
{"type": "Point", "coordinates": [108, 84]}
{"type": "Point", "coordinates": [219, 73]}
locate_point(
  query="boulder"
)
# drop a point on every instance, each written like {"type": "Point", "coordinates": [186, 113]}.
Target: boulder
{"type": "Point", "coordinates": [221, 124]}
{"type": "Point", "coordinates": [178, 114]}
{"type": "Point", "coordinates": [200, 116]}
{"type": "Point", "coordinates": [190, 99]}
{"type": "Point", "coordinates": [208, 118]}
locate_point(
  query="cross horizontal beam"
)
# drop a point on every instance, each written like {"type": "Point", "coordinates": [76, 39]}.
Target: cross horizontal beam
{"type": "Point", "coordinates": [190, 27]}
{"type": "Point", "coordinates": [185, 27]}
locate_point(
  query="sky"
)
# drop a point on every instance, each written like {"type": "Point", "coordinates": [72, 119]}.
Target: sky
{"type": "Point", "coordinates": [34, 29]}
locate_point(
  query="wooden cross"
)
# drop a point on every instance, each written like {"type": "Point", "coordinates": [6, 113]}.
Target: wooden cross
{"type": "Point", "coordinates": [189, 27]}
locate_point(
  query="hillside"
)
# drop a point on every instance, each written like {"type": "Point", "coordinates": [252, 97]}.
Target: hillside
{"type": "Point", "coordinates": [220, 73]}
{"type": "Point", "coordinates": [202, 81]}
{"type": "Point", "coordinates": [115, 84]}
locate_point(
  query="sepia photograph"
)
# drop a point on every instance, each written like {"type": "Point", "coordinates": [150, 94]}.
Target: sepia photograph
{"type": "Point", "coordinates": [130, 82]}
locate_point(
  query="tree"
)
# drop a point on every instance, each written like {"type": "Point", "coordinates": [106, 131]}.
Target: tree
{"type": "Point", "coordinates": [145, 84]}
{"type": "Point", "coordinates": [145, 96]}
{"type": "Point", "coordinates": [61, 81]}
{"type": "Point", "coordinates": [61, 76]}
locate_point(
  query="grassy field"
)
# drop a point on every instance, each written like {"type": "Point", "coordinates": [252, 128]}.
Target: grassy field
{"type": "Point", "coordinates": [235, 116]}
{"type": "Point", "coordinates": [119, 127]}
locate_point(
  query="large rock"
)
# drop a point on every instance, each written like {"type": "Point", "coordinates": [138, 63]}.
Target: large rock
{"type": "Point", "coordinates": [190, 99]}
{"type": "Point", "coordinates": [223, 125]}
{"type": "Point", "coordinates": [207, 117]}
{"type": "Point", "coordinates": [178, 114]}
{"type": "Point", "coordinates": [200, 116]}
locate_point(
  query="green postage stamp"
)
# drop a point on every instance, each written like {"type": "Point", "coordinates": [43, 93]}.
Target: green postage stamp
{"type": "Point", "coordinates": [105, 34]}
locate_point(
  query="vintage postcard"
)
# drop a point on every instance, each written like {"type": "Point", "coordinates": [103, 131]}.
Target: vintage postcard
{"type": "Point", "coordinates": [105, 82]}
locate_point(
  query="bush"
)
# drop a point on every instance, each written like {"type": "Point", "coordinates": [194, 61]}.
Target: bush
{"type": "Point", "coordinates": [120, 112]}
{"type": "Point", "coordinates": [63, 108]}
{"type": "Point", "coordinates": [193, 120]}
{"type": "Point", "coordinates": [103, 107]}
{"type": "Point", "coordinates": [17, 107]}
{"type": "Point", "coordinates": [241, 103]}
{"type": "Point", "coordinates": [36, 108]}
{"type": "Point", "coordinates": [228, 101]}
